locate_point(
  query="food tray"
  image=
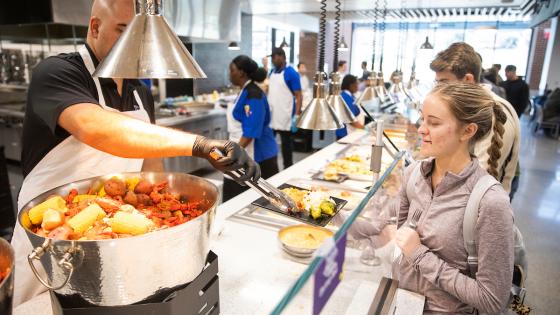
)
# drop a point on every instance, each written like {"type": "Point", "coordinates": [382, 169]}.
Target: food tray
{"type": "Point", "coordinates": [322, 221]}
{"type": "Point", "coordinates": [321, 176]}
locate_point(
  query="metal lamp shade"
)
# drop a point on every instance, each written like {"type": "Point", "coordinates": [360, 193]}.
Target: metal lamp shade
{"type": "Point", "coordinates": [319, 115]}
{"type": "Point", "coordinates": [149, 48]}
{"type": "Point", "coordinates": [426, 44]}
{"type": "Point", "coordinates": [343, 46]}
{"type": "Point", "coordinates": [370, 92]}
{"type": "Point", "coordinates": [337, 103]}
{"type": "Point", "coordinates": [382, 92]}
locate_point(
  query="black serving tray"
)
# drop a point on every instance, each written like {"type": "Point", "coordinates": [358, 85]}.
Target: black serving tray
{"type": "Point", "coordinates": [199, 297]}
{"type": "Point", "coordinates": [322, 221]}
{"type": "Point", "coordinates": [321, 176]}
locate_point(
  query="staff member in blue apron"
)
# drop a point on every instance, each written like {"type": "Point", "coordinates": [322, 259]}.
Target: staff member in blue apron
{"type": "Point", "coordinates": [77, 127]}
{"type": "Point", "coordinates": [249, 120]}
{"type": "Point", "coordinates": [349, 87]}
{"type": "Point", "coordinates": [284, 97]}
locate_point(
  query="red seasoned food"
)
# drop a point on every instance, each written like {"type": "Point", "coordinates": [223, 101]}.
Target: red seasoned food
{"type": "Point", "coordinates": [118, 209]}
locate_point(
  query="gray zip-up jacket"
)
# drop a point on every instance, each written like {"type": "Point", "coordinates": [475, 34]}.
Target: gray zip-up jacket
{"type": "Point", "coordinates": [438, 268]}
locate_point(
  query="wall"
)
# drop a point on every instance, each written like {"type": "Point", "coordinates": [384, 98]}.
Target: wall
{"type": "Point", "coordinates": [536, 55]}
{"type": "Point", "coordinates": [308, 52]}
{"type": "Point", "coordinates": [551, 73]}
{"type": "Point", "coordinates": [214, 58]}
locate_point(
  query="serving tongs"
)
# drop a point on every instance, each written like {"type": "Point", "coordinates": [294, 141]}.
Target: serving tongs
{"type": "Point", "coordinates": [275, 196]}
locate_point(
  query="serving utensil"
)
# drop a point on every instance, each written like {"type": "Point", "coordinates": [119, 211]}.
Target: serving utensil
{"type": "Point", "coordinates": [275, 196]}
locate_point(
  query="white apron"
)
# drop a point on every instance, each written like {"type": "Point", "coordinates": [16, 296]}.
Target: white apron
{"type": "Point", "coordinates": [281, 101]}
{"type": "Point", "coordinates": [234, 127]}
{"type": "Point", "coordinates": [69, 161]}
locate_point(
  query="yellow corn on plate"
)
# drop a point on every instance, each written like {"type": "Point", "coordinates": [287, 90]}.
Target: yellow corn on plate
{"type": "Point", "coordinates": [85, 218]}
{"type": "Point", "coordinates": [36, 213]}
{"type": "Point", "coordinates": [130, 223]}
{"type": "Point", "coordinates": [131, 183]}
{"type": "Point", "coordinates": [102, 192]}
{"type": "Point", "coordinates": [80, 198]}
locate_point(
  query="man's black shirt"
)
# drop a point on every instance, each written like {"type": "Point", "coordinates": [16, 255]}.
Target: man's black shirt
{"type": "Point", "coordinates": [517, 94]}
{"type": "Point", "coordinates": [59, 82]}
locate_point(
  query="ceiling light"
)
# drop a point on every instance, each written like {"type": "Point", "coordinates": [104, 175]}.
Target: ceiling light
{"type": "Point", "coordinates": [284, 44]}
{"type": "Point", "coordinates": [426, 44]}
{"type": "Point", "coordinates": [233, 46]}
{"type": "Point", "coordinates": [342, 46]}
{"type": "Point", "coordinates": [318, 115]}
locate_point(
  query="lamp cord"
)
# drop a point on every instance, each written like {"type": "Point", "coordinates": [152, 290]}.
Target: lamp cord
{"type": "Point", "coordinates": [336, 34]}
{"type": "Point", "coordinates": [322, 30]}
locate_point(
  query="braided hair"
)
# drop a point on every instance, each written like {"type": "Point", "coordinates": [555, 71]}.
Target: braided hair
{"type": "Point", "coordinates": [471, 103]}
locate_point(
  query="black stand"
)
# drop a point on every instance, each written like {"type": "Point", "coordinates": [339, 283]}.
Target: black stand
{"type": "Point", "coordinates": [201, 296]}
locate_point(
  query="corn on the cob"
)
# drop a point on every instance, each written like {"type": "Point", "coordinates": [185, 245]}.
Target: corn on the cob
{"type": "Point", "coordinates": [131, 183]}
{"type": "Point", "coordinates": [85, 218]}
{"type": "Point", "coordinates": [130, 223]}
{"type": "Point", "coordinates": [102, 192]}
{"type": "Point", "coordinates": [36, 213]}
{"type": "Point", "coordinates": [80, 198]}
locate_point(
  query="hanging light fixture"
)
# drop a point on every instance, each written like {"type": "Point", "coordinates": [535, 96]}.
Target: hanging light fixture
{"type": "Point", "coordinates": [318, 115]}
{"type": "Point", "coordinates": [149, 48]}
{"type": "Point", "coordinates": [426, 44]}
{"type": "Point", "coordinates": [335, 100]}
{"type": "Point", "coordinates": [385, 97]}
{"type": "Point", "coordinates": [233, 46]}
{"type": "Point", "coordinates": [342, 46]}
{"type": "Point", "coordinates": [369, 98]}
{"type": "Point", "coordinates": [284, 44]}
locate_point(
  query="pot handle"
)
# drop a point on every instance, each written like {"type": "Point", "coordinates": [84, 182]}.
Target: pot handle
{"type": "Point", "coordinates": [65, 262]}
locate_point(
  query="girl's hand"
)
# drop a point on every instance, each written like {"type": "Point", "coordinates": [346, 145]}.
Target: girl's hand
{"type": "Point", "coordinates": [408, 240]}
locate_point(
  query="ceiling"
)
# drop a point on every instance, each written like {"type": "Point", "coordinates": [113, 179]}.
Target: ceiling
{"type": "Point", "coordinates": [313, 6]}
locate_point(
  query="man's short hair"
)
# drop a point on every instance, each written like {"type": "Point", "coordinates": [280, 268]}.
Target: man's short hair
{"type": "Point", "coordinates": [459, 59]}
{"type": "Point", "coordinates": [300, 64]}
{"type": "Point", "coordinates": [364, 63]}
{"type": "Point", "coordinates": [497, 66]}
{"type": "Point", "coordinates": [511, 68]}
{"type": "Point", "coordinates": [341, 63]}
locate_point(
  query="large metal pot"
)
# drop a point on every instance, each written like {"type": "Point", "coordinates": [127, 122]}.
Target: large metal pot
{"type": "Point", "coordinates": [128, 270]}
{"type": "Point", "coordinates": [6, 285]}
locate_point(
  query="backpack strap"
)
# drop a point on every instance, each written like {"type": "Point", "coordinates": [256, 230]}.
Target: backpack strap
{"type": "Point", "coordinates": [470, 218]}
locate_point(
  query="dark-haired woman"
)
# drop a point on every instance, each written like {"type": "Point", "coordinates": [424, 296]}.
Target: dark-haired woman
{"type": "Point", "coordinates": [349, 88]}
{"type": "Point", "coordinates": [249, 120]}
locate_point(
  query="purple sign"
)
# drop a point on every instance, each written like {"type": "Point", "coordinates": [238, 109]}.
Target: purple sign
{"type": "Point", "coordinates": [328, 275]}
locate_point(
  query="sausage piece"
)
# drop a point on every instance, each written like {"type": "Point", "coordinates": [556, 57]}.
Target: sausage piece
{"type": "Point", "coordinates": [115, 187]}
{"type": "Point", "coordinates": [143, 187]}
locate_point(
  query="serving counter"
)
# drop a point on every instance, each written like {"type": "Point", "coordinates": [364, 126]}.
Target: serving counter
{"type": "Point", "coordinates": [254, 271]}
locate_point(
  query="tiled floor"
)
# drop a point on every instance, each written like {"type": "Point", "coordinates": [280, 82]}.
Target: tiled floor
{"type": "Point", "coordinates": [537, 214]}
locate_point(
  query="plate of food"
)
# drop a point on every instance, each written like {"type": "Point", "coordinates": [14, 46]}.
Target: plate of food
{"type": "Point", "coordinates": [302, 240]}
{"type": "Point", "coordinates": [330, 175]}
{"type": "Point", "coordinates": [314, 207]}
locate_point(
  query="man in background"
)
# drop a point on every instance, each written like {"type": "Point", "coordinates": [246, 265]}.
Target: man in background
{"type": "Point", "coordinates": [342, 67]}
{"type": "Point", "coordinates": [285, 99]}
{"type": "Point", "coordinates": [517, 90]}
{"type": "Point", "coordinates": [365, 72]}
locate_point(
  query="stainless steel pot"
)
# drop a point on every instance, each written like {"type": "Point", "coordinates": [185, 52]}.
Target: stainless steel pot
{"type": "Point", "coordinates": [128, 270]}
{"type": "Point", "coordinates": [6, 285]}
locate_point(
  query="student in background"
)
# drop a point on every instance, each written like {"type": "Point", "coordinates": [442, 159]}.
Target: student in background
{"type": "Point", "coordinates": [306, 87]}
{"type": "Point", "coordinates": [249, 120]}
{"type": "Point", "coordinates": [517, 90]}
{"type": "Point", "coordinates": [349, 88]}
{"type": "Point", "coordinates": [285, 99]}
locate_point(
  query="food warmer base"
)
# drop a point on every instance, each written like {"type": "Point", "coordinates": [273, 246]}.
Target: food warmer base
{"type": "Point", "coordinates": [201, 296]}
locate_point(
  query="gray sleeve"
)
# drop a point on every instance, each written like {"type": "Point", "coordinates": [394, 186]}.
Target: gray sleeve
{"type": "Point", "coordinates": [489, 292]}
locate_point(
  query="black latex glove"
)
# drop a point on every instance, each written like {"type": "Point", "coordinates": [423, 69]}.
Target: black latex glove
{"type": "Point", "coordinates": [235, 158]}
